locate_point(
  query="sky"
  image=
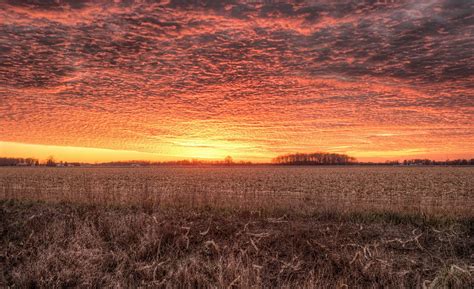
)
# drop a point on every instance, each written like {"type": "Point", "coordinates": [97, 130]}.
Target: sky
{"type": "Point", "coordinates": [164, 80]}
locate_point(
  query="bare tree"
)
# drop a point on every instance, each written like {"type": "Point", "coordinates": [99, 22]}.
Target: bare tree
{"type": "Point", "coordinates": [228, 160]}
{"type": "Point", "coordinates": [50, 162]}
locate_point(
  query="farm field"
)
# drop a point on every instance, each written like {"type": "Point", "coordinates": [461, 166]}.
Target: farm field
{"type": "Point", "coordinates": [427, 190]}
{"type": "Point", "coordinates": [238, 227]}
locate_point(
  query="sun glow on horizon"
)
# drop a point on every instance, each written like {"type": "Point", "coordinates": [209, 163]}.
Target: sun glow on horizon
{"type": "Point", "coordinates": [188, 150]}
{"type": "Point", "coordinates": [182, 150]}
{"type": "Point", "coordinates": [73, 154]}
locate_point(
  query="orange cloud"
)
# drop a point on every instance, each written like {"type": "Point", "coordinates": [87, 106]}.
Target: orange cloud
{"type": "Point", "coordinates": [207, 79]}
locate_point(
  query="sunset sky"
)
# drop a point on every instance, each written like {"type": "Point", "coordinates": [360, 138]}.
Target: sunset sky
{"type": "Point", "coordinates": [122, 80]}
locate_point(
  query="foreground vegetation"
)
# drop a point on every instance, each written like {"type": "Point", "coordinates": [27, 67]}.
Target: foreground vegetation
{"type": "Point", "coordinates": [62, 245]}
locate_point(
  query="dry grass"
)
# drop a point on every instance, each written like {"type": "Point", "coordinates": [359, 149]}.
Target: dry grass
{"type": "Point", "coordinates": [63, 245]}
{"type": "Point", "coordinates": [237, 228]}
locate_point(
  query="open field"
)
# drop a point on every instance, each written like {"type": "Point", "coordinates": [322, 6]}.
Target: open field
{"type": "Point", "coordinates": [225, 227]}
{"type": "Point", "coordinates": [428, 190]}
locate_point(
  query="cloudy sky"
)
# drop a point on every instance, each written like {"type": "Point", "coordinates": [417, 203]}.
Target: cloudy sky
{"type": "Point", "coordinates": [161, 80]}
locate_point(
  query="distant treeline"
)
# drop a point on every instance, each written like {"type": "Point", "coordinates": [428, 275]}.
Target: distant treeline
{"type": "Point", "coordinates": [427, 162]}
{"type": "Point", "coordinates": [323, 158]}
{"type": "Point", "coordinates": [314, 159]}
{"type": "Point", "coordinates": [421, 162]}
{"type": "Point", "coordinates": [18, 162]}
{"type": "Point", "coordinates": [193, 162]}
{"type": "Point", "coordinates": [32, 162]}
{"type": "Point", "coordinates": [320, 158]}
{"type": "Point", "coordinates": [51, 162]}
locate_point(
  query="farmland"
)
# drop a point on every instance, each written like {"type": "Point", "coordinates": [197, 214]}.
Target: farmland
{"type": "Point", "coordinates": [429, 190]}
{"type": "Point", "coordinates": [255, 226]}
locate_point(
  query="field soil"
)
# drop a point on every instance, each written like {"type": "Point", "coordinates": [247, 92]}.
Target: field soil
{"type": "Point", "coordinates": [93, 246]}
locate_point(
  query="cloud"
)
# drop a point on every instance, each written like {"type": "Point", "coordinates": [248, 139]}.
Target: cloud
{"type": "Point", "coordinates": [298, 74]}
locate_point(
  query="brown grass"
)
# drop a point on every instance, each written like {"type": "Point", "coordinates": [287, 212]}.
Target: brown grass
{"type": "Point", "coordinates": [63, 245]}
{"type": "Point", "coordinates": [237, 228]}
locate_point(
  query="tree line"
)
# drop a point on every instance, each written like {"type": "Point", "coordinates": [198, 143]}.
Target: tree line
{"type": "Point", "coordinates": [51, 162]}
{"type": "Point", "coordinates": [428, 162]}
{"type": "Point", "coordinates": [19, 162]}
{"type": "Point", "coordinates": [322, 158]}
{"type": "Point", "coordinates": [228, 160]}
{"type": "Point", "coordinates": [32, 162]}
{"type": "Point", "coordinates": [319, 158]}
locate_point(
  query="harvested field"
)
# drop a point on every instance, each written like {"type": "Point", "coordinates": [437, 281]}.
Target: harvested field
{"type": "Point", "coordinates": [428, 190]}
{"type": "Point", "coordinates": [237, 227]}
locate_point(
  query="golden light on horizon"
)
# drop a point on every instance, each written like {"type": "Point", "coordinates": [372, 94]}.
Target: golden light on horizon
{"type": "Point", "coordinates": [72, 154]}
